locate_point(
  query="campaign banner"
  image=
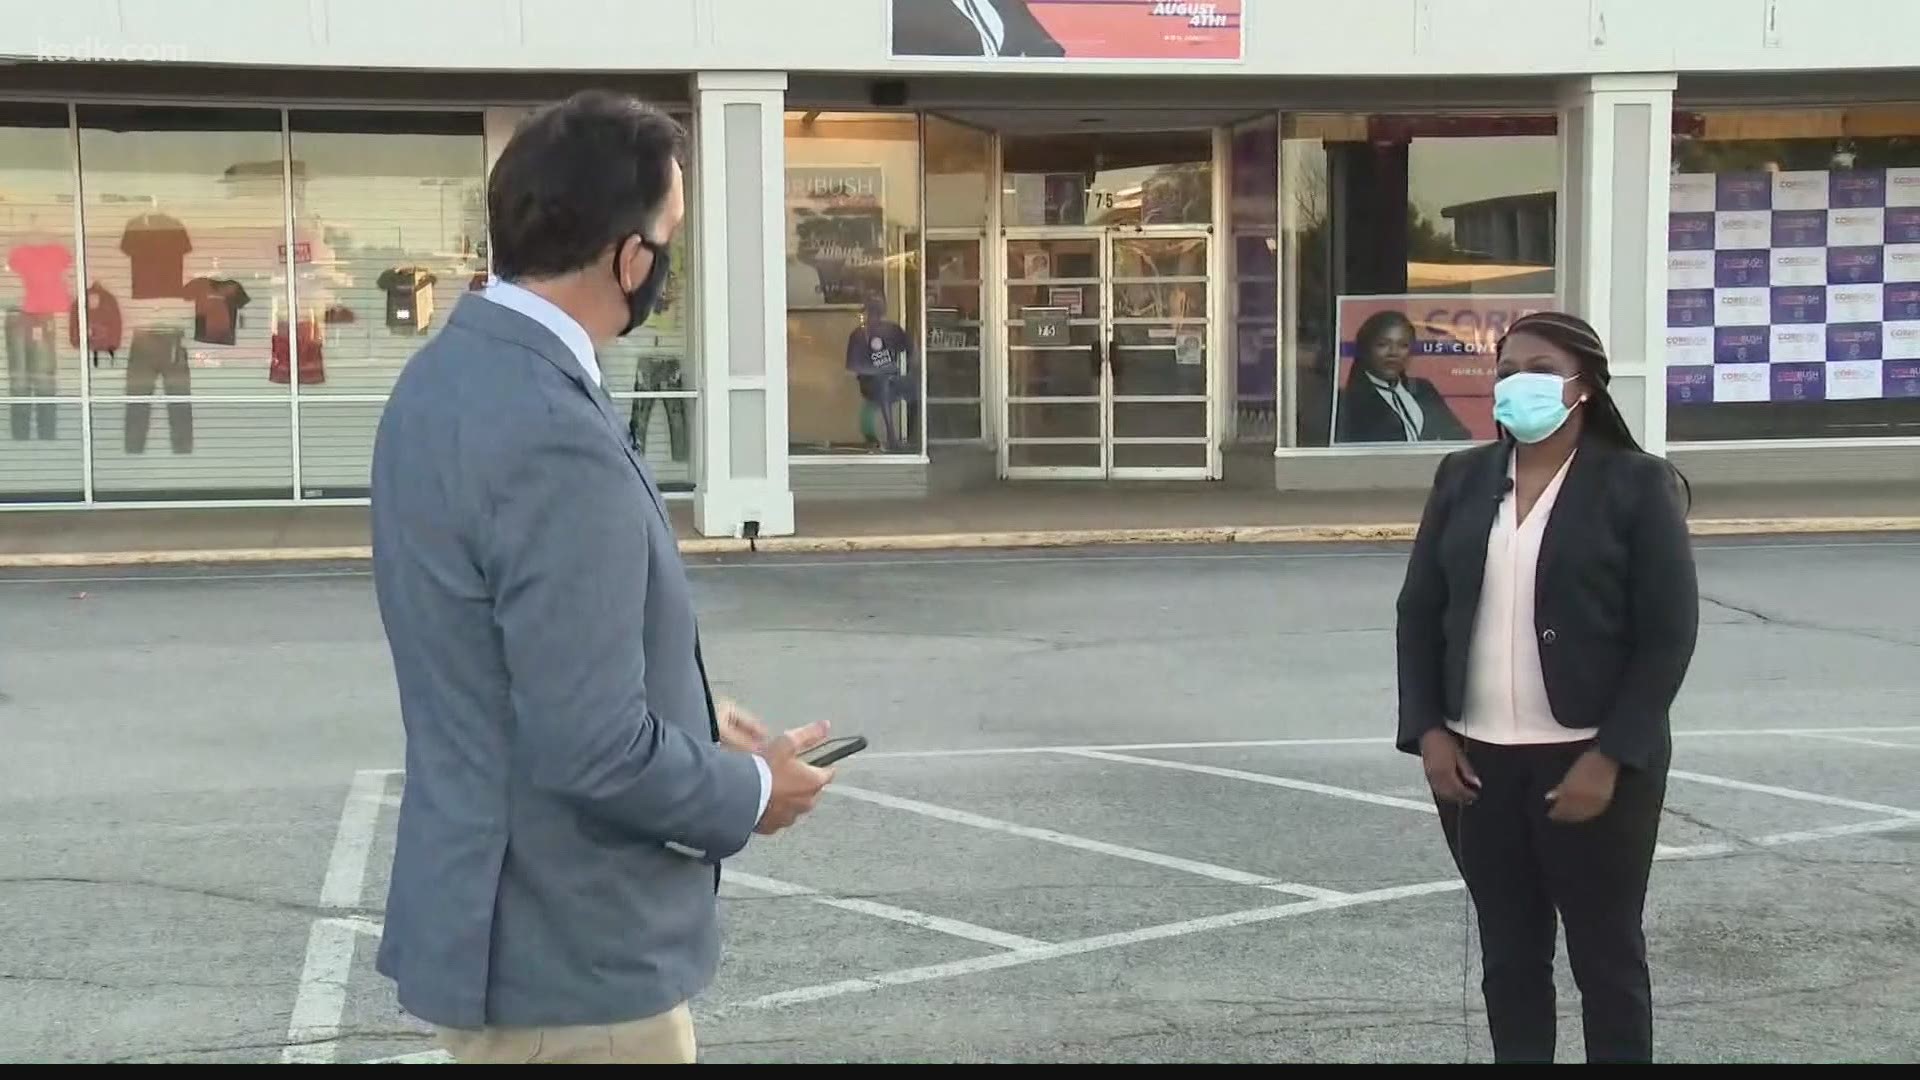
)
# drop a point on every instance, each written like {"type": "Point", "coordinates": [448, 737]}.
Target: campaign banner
{"type": "Point", "coordinates": [1420, 367]}
{"type": "Point", "coordinates": [1793, 286]}
{"type": "Point", "coordinates": [1137, 30]}
{"type": "Point", "coordinates": [837, 233]}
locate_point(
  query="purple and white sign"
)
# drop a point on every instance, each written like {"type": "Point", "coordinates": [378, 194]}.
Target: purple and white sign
{"type": "Point", "coordinates": [1798, 285]}
{"type": "Point", "coordinates": [1902, 378]}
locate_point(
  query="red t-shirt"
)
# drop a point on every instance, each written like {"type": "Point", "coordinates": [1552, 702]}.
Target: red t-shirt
{"type": "Point", "coordinates": [43, 271]}
{"type": "Point", "coordinates": [157, 245]}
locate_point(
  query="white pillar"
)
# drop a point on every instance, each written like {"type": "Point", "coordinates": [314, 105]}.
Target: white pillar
{"type": "Point", "coordinates": [738, 214]}
{"type": "Point", "coordinates": [1616, 145]}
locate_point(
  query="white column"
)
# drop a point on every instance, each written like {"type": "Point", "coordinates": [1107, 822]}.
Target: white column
{"type": "Point", "coordinates": [1616, 145]}
{"type": "Point", "coordinates": [738, 216]}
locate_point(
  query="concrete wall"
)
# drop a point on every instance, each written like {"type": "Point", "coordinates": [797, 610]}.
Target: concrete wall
{"type": "Point", "coordinates": [1282, 37]}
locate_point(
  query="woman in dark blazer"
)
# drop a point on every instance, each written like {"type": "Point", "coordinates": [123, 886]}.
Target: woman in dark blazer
{"type": "Point", "coordinates": [1382, 400]}
{"type": "Point", "coordinates": [1546, 623]}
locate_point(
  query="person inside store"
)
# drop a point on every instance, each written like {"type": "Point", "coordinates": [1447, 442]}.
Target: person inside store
{"type": "Point", "coordinates": [1545, 625]}
{"type": "Point", "coordinates": [877, 354]}
{"type": "Point", "coordinates": [1381, 400]}
{"type": "Point", "coordinates": [571, 785]}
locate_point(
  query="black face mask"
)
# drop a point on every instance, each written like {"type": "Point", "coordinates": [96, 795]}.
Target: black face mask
{"type": "Point", "coordinates": [642, 302]}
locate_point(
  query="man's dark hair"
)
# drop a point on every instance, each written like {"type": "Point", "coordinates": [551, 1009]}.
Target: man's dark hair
{"type": "Point", "coordinates": [576, 178]}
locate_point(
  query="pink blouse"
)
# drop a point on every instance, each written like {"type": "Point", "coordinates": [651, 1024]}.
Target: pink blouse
{"type": "Point", "coordinates": [1506, 698]}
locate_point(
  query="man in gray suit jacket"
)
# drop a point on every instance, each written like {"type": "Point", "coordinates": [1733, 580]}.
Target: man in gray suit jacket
{"type": "Point", "coordinates": [571, 786]}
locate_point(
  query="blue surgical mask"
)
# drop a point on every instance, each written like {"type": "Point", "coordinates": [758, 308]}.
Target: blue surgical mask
{"type": "Point", "coordinates": [1531, 404]}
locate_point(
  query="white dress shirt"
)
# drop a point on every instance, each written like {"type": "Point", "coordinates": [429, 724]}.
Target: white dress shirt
{"type": "Point", "coordinates": [1401, 400]}
{"type": "Point", "coordinates": [1506, 697]}
{"type": "Point", "coordinates": [580, 343]}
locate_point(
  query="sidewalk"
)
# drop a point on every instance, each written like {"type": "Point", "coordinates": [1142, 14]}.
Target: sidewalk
{"type": "Point", "coordinates": [1009, 516]}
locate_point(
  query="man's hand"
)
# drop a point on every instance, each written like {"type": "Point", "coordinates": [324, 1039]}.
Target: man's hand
{"type": "Point", "coordinates": [1586, 791]}
{"type": "Point", "coordinates": [796, 784]}
{"type": "Point", "coordinates": [1449, 773]}
{"type": "Point", "coordinates": [740, 729]}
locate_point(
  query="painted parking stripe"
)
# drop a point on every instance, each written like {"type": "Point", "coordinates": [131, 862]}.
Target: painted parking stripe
{"type": "Point", "coordinates": [1082, 843]}
{"type": "Point", "coordinates": [1269, 780]}
{"type": "Point", "coordinates": [1794, 793]}
{"type": "Point", "coordinates": [952, 927]}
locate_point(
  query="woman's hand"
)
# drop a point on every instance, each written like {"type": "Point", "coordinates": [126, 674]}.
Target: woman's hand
{"type": "Point", "coordinates": [1586, 791]}
{"type": "Point", "coordinates": [1449, 773]}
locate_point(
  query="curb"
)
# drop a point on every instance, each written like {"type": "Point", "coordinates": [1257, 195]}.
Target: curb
{"type": "Point", "coordinates": [980, 541]}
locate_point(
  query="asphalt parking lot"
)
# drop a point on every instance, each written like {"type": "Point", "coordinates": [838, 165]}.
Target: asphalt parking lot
{"type": "Point", "coordinates": [1120, 807]}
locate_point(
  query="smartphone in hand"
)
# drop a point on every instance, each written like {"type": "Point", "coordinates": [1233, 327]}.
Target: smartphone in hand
{"type": "Point", "coordinates": [834, 750]}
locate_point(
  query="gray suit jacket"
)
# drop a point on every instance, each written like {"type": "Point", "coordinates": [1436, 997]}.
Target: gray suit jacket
{"type": "Point", "coordinates": [559, 728]}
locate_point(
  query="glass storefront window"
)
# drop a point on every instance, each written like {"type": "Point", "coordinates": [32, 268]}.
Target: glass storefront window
{"type": "Point", "coordinates": [185, 235]}
{"type": "Point", "coordinates": [1253, 223]}
{"type": "Point", "coordinates": [389, 230]}
{"type": "Point", "coordinates": [1793, 274]}
{"type": "Point", "coordinates": [855, 375]}
{"type": "Point", "coordinates": [1107, 178]}
{"type": "Point", "coordinates": [959, 168]}
{"type": "Point", "coordinates": [43, 459]}
{"type": "Point", "coordinates": [1412, 242]}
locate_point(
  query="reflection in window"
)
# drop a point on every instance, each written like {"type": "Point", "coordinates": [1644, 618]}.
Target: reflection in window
{"type": "Point", "coordinates": [855, 375]}
{"type": "Point", "coordinates": [1793, 274]}
{"type": "Point", "coordinates": [1108, 178]}
{"type": "Point", "coordinates": [42, 458]}
{"type": "Point", "coordinates": [389, 232]}
{"type": "Point", "coordinates": [1254, 194]}
{"type": "Point", "coordinates": [959, 165]}
{"type": "Point", "coordinates": [185, 221]}
{"type": "Point", "coordinates": [1412, 242]}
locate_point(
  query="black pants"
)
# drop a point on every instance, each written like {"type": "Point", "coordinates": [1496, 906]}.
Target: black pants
{"type": "Point", "coordinates": [1521, 869]}
{"type": "Point", "coordinates": [159, 357]}
{"type": "Point", "coordinates": [660, 373]}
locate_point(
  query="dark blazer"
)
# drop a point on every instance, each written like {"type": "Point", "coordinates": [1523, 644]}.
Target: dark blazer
{"type": "Point", "coordinates": [1365, 416]}
{"type": "Point", "coordinates": [936, 28]}
{"type": "Point", "coordinates": [1616, 610]}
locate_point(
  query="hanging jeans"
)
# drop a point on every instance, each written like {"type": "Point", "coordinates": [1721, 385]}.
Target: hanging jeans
{"type": "Point", "coordinates": [159, 357]}
{"type": "Point", "coordinates": [32, 372]}
{"type": "Point", "coordinates": [658, 374]}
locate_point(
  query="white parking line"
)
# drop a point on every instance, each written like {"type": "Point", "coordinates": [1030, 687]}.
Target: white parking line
{"type": "Point", "coordinates": [1261, 778]}
{"type": "Point", "coordinates": [353, 841]}
{"type": "Point", "coordinates": [321, 1000]}
{"type": "Point", "coordinates": [1794, 794]}
{"type": "Point", "coordinates": [420, 1057]}
{"type": "Point", "coordinates": [953, 927]}
{"type": "Point", "coordinates": [313, 1031]}
{"type": "Point", "coordinates": [1829, 832]}
{"type": "Point", "coordinates": [1081, 946]}
{"type": "Point", "coordinates": [1855, 740]}
{"type": "Point", "coordinates": [1347, 740]}
{"type": "Point", "coordinates": [1152, 858]}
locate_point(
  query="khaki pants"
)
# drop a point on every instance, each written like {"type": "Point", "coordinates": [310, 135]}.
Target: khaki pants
{"type": "Point", "coordinates": [666, 1039]}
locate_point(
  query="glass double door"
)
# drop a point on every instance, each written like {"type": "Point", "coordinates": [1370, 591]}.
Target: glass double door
{"type": "Point", "coordinates": [1108, 349]}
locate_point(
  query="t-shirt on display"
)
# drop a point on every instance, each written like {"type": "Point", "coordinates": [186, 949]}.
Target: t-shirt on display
{"type": "Point", "coordinates": [216, 308]}
{"type": "Point", "coordinates": [409, 298]}
{"type": "Point", "coordinates": [43, 276]}
{"type": "Point", "coordinates": [157, 246]}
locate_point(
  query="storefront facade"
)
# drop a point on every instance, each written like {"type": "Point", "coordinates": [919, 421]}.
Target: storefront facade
{"type": "Point", "coordinates": [1210, 243]}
